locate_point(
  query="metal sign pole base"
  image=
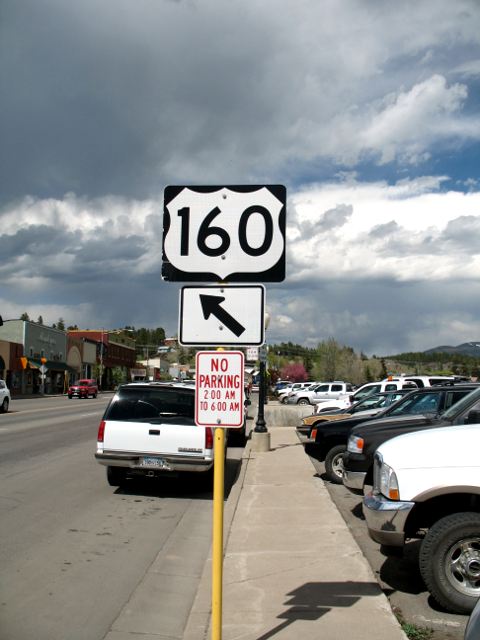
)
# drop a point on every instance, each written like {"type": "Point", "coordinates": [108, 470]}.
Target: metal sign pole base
{"type": "Point", "coordinates": [260, 441]}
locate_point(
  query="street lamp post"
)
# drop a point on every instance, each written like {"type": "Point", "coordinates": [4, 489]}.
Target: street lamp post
{"type": "Point", "coordinates": [260, 435]}
{"type": "Point", "coordinates": [260, 425]}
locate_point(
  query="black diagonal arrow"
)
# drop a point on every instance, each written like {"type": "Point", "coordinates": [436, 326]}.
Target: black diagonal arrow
{"type": "Point", "coordinates": [211, 306]}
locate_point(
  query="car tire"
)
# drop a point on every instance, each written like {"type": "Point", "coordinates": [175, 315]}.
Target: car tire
{"type": "Point", "coordinates": [69, 397]}
{"type": "Point", "coordinates": [334, 464]}
{"type": "Point", "coordinates": [303, 401]}
{"type": "Point", "coordinates": [116, 476]}
{"type": "Point", "coordinates": [283, 400]}
{"type": "Point", "coordinates": [94, 396]}
{"type": "Point", "coordinates": [5, 404]}
{"type": "Point", "coordinates": [449, 561]}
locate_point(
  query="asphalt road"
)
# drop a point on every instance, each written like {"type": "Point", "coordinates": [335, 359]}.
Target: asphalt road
{"type": "Point", "coordinates": [399, 575]}
{"type": "Point", "coordinates": [73, 548]}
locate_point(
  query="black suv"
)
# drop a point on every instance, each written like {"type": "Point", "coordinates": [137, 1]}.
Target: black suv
{"type": "Point", "coordinates": [365, 438]}
{"type": "Point", "coordinates": [330, 438]}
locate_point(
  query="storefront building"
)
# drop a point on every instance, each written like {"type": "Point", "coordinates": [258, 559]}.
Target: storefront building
{"type": "Point", "coordinates": [81, 357]}
{"type": "Point", "coordinates": [11, 365]}
{"type": "Point", "coordinates": [42, 347]}
{"type": "Point", "coordinates": [115, 355]}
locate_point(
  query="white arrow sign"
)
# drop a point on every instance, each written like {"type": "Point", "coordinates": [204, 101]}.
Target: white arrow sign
{"type": "Point", "coordinates": [224, 233]}
{"type": "Point", "coordinates": [222, 316]}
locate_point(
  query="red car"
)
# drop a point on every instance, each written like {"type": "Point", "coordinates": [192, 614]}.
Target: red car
{"type": "Point", "coordinates": [83, 389]}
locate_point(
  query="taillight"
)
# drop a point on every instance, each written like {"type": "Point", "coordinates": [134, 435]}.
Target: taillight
{"type": "Point", "coordinates": [208, 438]}
{"type": "Point", "coordinates": [101, 431]}
{"type": "Point", "coordinates": [313, 433]}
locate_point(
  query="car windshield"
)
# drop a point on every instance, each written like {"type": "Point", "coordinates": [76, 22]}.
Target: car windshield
{"type": "Point", "coordinates": [373, 400]}
{"type": "Point", "coordinates": [83, 383]}
{"type": "Point", "coordinates": [154, 405]}
{"type": "Point", "coordinates": [417, 403]}
{"type": "Point", "coordinates": [378, 401]}
{"type": "Point", "coordinates": [466, 402]}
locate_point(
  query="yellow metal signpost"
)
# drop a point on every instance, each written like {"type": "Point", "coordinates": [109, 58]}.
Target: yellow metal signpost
{"type": "Point", "coordinates": [219, 404]}
{"type": "Point", "coordinates": [217, 543]}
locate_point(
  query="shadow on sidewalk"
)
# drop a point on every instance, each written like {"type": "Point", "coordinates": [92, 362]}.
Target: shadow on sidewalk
{"type": "Point", "coordinates": [314, 599]}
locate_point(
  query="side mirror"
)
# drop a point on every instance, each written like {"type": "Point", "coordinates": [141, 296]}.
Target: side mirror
{"type": "Point", "coordinates": [473, 417]}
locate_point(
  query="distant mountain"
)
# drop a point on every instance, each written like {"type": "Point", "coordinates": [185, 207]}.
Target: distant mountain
{"type": "Point", "coordinates": [465, 349]}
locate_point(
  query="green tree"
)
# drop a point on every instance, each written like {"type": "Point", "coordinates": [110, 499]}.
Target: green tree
{"type": "Point", "coordinates": [61, 324]}
{"type": "Point", "coordinates": [40, 320]}
{"type": "Point", "coordinates": [24, 316]}
{"type": "Point", "coordinates": [383, 372]}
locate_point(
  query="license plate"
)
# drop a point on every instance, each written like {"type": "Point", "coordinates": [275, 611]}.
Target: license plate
{"type": "Point", "coordinates": [160, 463]}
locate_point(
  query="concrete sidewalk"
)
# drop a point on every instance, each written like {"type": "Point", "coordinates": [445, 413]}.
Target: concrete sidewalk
{"type": "Point", "coordinates": [292, 568]}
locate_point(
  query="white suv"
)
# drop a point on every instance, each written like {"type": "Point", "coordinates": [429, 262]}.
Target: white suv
{"type": "Point", "coordinates": [4, 397]}
{"type": "Point", "coordinates": [149, 429]}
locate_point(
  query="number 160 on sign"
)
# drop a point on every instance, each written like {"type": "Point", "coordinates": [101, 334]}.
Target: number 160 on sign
{"type": "Point", "coordinates": [224, 233]}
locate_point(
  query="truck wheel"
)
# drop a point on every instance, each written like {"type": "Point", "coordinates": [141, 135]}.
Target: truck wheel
{"type": "Point", "coordinates": [334, 464]}
{"type": "Point", "coordinates": [450, 561]}
{"type": "Point", "coordinates": [303, 401]}
{"type": "Point", "coordinates": [116, 476]}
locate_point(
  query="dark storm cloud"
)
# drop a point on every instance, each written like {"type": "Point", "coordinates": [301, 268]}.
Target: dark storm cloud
{"type": "Point", "coordinates": [118, 97]}
{"type": "Point", "coordinates": [34, 240]}
{"type": "Point", "coordinates": [105, 250]}
{"type": "Point", "coordinates": [382, 316]}
{"type": "Point", "coordinates": [123, 96]}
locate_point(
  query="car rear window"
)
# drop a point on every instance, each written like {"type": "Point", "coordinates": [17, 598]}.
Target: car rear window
{"type": "Point", "coordinates": [154, 405]}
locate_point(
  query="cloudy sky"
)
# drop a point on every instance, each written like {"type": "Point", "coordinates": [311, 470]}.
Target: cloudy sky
{"type": "Point", "coordinates": [367, 111]}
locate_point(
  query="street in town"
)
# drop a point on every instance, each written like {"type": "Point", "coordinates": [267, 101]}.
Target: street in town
{"type": "Point", "coordinates": [73, 548]}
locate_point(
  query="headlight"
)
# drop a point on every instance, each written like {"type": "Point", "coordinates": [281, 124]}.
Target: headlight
{"type": "Point", "coordinates": [388, 483]}
{"type": "Point", "coordinates": [355, 444]}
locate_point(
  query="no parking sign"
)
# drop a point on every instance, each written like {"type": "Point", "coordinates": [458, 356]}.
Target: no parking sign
{"type": "Point", "coordinates": [219, 387]}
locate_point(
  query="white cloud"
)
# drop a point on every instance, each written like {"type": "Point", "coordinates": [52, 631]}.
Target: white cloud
{"type": "Point", "coordinates": [397, 232]}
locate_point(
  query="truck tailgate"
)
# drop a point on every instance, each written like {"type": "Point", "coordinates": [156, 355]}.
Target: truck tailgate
{"type": "Point", "coordinates": [154, 438]}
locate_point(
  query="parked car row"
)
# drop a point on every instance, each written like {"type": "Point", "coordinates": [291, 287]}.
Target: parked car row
{"type": "Point", "coordinates": [421, 457]}
{"type": "Point", "coordinates": [420, 406]}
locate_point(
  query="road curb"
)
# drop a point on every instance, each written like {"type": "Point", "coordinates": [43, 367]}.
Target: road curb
{"type": "Point", "coordinates": [198, 623]}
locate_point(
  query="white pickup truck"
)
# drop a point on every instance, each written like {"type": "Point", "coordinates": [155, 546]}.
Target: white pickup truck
{"type": "Point", "coordinates": [319, 392]}
{"type": "Point", "coordinates": [427, 486]}
{"type": "Point", "coordinates": [149, 429]}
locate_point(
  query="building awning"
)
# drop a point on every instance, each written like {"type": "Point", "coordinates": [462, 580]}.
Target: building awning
{"type": "Point", "coordinates": [51, 365]}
